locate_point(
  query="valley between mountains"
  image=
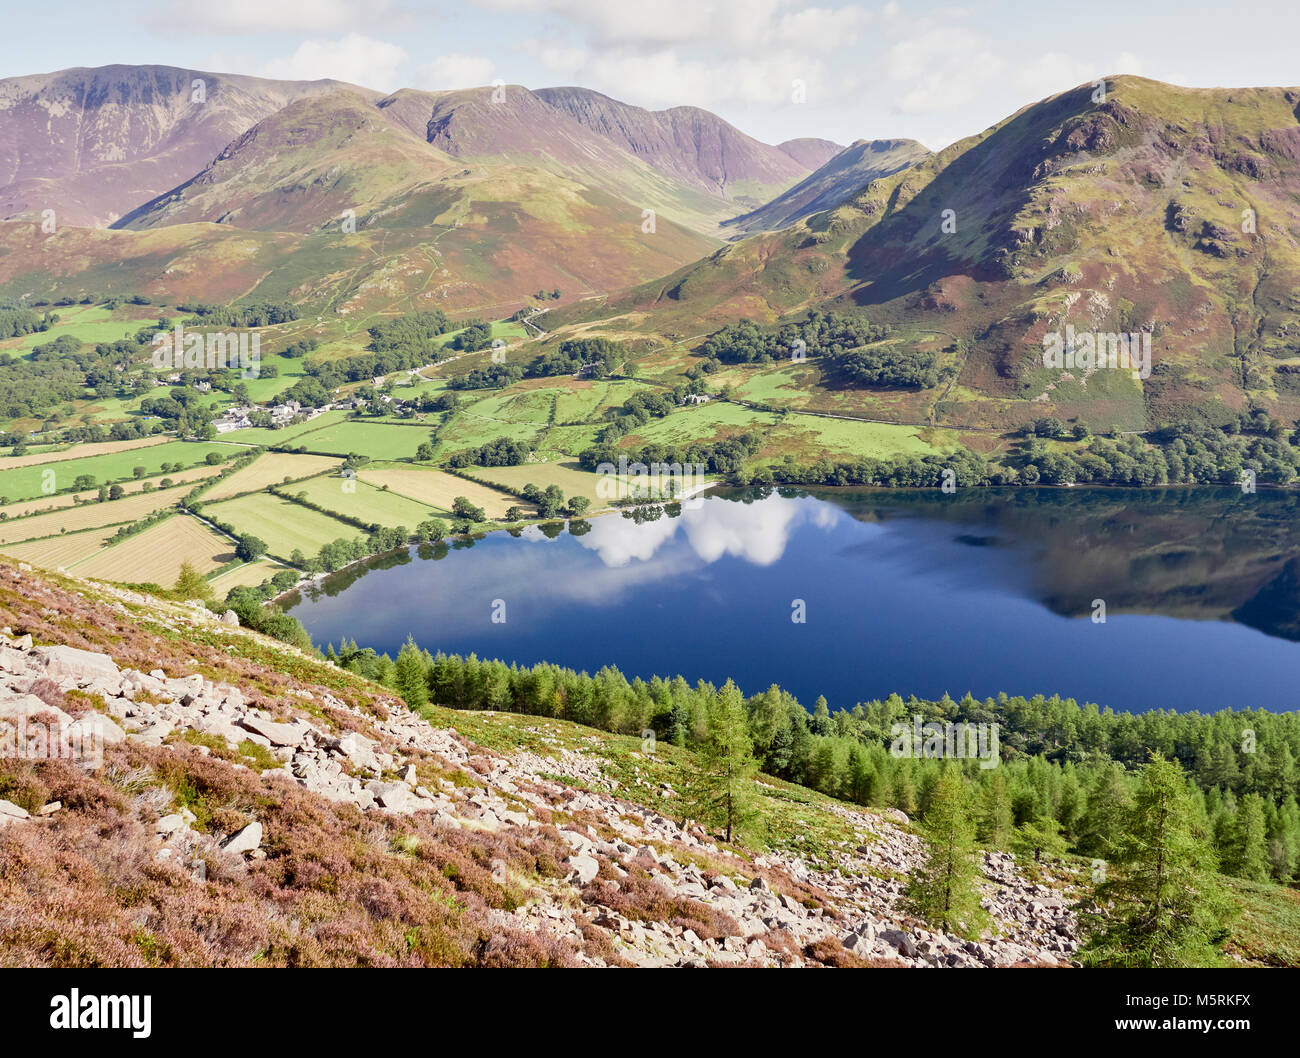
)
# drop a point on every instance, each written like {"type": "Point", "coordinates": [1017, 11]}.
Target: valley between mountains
{"type": "Point", "coordinates": [260, 339]}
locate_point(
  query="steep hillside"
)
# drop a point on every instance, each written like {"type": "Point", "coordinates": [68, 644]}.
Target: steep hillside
{"type": "Point", "coordinates": [1163, 210]}
{"type": "Point", "coordinates": [298, 169]}
{"type": "Point", "coordinates": [245, 803]}
{"type": "Point", "coordinates": [516, 126]}
{"type": "Point", "coordinates": [810, 152]}
{"type": "Point", "coordinates": [92, 144]}
{"type": "Point", "coordinates": [847, 172]}
{"type": "Point", "coordinates": [265, 219]}
{"type": "Point", "coordinates": [689, 143]}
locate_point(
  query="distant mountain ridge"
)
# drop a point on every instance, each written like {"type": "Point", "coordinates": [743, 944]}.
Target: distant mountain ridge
{"type": "Point", "coordinates": [690, 143]}
{"type": "Point", "coordinates": [844, 173]}
{"type": "Point", "coordinates": [93, 144]}
{"type": "Point", "coordinates": [97, 144]}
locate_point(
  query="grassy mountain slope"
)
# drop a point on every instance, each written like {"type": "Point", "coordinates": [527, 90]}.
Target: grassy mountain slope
{"type": "Point", "coordinates": [513, 125]}
{"type": "Point", "coordinates": [264, 220]}
{"type": "Point", "coordinates": [839, 178]}
{"type": "Point", "coordinates": [1126, 214]}
{"type": "Point", "coordinates": [370, 835]}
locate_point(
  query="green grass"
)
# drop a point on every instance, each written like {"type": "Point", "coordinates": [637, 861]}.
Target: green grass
{"type": "Point", "coordinates": [288, 371]}
{"type": "Point", "coordinates": [22, 483]}
{"type": "Point", "coordinates": [776, 386]}
{"type": "Point", "coordinates": [113, 409]}
{"type": "Point", "coordinates": [1268, 929]}
{"type": "Point", "coordinates": [506, 329]}
{"type": "Point", "coordinates": [285, 526]}
{"type": "Point", "coordinates": [468, 430]}
{"type": "Point", "coordinates": [703, 422]}
{"type": "Point", "coordinates": [365, 502]}
{"type": "Point", "coordinates": [531, 406]}
{"type": "Point", "coordinates": [90, 323]}
{"type": "Point", "coordinates": [817, 436]}
{"type": "Point", "coordinates": [586, 405]}
{"type": "Point", "coordinates": [568, 440]}
{"type": "Point", "coordinates": [566, 475]}
{"type": "Point", "coordinates": [376, 440]}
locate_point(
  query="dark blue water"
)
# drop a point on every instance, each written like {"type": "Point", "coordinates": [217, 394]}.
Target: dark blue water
{"type": "Point", "coordinates": [991, 592]}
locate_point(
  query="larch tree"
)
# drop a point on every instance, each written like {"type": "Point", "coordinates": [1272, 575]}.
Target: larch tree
{"type": "Point", "coordinates": [944, 890]}
{"type": "Point", "coordinates": [1159, 902]}
{"type": "Point", "coordinates": [720, 791]}
{"type": "Point", "coordinates": [1252, 859]}
{"type": "Point", "coordinates": [996, 822]}
{"type": "Point", "coordinates": [411, 675]}
{"type": "Point", "coordinates": [191, 584]}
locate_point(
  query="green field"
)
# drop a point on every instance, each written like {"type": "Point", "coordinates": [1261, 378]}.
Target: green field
{"type": "Point", "coordinates": [586, 402]}
{"type": "Point", "coordinates": [532, 406]}
{"type": "Point", "coordinates": [23, 483]}
{"type": "Point", "coordinates": [812, 436]}
{"type": "Point", "coordinates": [114, 409]}
{"type": "Point", "coordinates": [778, 385]}
{"type": "Point", "coordinates": [567, 440]}
{"type": "Point", "coordinates": [506, 329]}
{"type": "Point", "coordinates": [702, 422]}
{"type": "Point", "coordinates": [282, 524]}
{"type": "Point", "coordinates": [364, 502]}
{"type": "Point", "coordinates": [376, 440]}
{"type": "Point", "coordinates": [567, 475]}
{"type": "Point", "coordinates": [90, 323]}
{"type": "Point", "coordinates": [287, 372]}
{"type": "Point", "coordinates": [467, 430]}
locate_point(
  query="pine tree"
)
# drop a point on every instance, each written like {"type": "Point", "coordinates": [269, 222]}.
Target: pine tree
{"type": "Point", "coordinates": [719, 791]}
{"type": "Point", "coordinates": [903, 793]}
{"type": "Point", "coordinates": [191, 584]}
{"type": "Point", "coordinates": [1252, 861]}
{"type": "Point", "coordinates": [944, 890]}
{"type": "Point", "coordinates": [1036, 837]}
{"type": "Point", "coordinates": [1108, 806]}
{"type": "Point", "coordinates": [781, 751]}
{"type": "Point", "coordinates": [821, 718]}
{"type": "Point", "coordinates": [411, 675]}
{"type": "Point", "coordinates": [1160, 903]}
{"type": "Point", "coordinates": [995, 821]}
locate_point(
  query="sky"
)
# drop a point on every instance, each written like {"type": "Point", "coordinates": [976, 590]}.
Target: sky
{"type": "Point", "coordinates": [777, 69]}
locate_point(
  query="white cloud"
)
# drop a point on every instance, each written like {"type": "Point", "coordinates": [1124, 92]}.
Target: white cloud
{"type": "Point", "coordinates": [716, 25]}
{"type": "Point", "coordinates": [756, 532]}
{"type": "Point", "coordinates": [355, 58]}
{"type": "Point", "coordinates": [940, 67]}
{"type": "Point", "coordinates": [455, 70]}
{"type": "Point", "coordinates": [259, 16]}
{"type": "Point", "coordinates": [668, 78]}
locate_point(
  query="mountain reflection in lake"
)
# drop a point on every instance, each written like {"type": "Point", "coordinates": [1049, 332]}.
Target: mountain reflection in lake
{"type": "Point", "coordinates": [920, 593]}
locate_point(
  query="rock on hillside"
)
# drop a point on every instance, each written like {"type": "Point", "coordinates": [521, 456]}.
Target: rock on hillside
{"type": "Point", "coordinates": [256, 804]}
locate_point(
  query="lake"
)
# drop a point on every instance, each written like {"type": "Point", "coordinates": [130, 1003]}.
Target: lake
{"type": "Point", "coordinates": [915, 592]}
